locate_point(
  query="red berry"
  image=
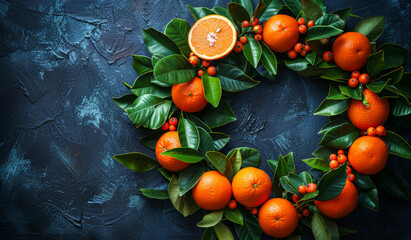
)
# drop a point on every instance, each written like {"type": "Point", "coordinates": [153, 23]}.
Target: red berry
{"type": "Point", "coordinates": [310, 24]}
{"type": "Point", "coordinates": [299, 215]}
{"type": "Point", "coordinates": [302, 29]}
{"type": "Point", "coordinates": [165, 126]}
{"type": "Point", "coordinates": [296, 198]}
{"type": "Point", "coordinates": [328, 56]}
{"type": "Point", "coordinates": [254, 22]}
{"type": "Point", "coordinates": [306, 47]}
{"type": "Point", "coordinates": [254, 211]}
{"type": "Point", "coordinates": [355, 74]}
{"type": "Point", "coordinates": [245, 24]}
{"type": "Point", "coordinates": [353, 82]}
{"type": "Point", "coordinates": [238, 47]}
{"type": "Point", "coordinates": [206, 63]}
{"type": "Point", "coordinates": [173, 121]}
{"type": "Point", "coordinates": [311, 187]}
{"type": "Point", "coordinates": [364, 79]}
{"type": "Point", "coordinates": [342, 158]}
{"type": "Point", "coordinates": [298, 47]}
{"type": "Point", "coordinates": [302, 189]}
{"type": "Point", "coordinates": [292, 54]}
{"type": "Point", "coordinates": [301, 21]}
{"type": "Point", "coordinates": [349, 170]}
{"type": "Point", "coordinates": [211, 71]}
{"type": "Point", "coordinates": [232, 204]}
{"type": "Point", "coordinates": [258, 37]}
{"type": "Point", "coordinates": [380, 130]}
{"type": "Point", "coordinates": [340, 152]}
{"type": "Point", "coordinates": [257, 29]}
{"type": "Point", "coordinates": [303, 53]}
{"type": "Point", "coordinates": [193, 60]}
{"type": "Point", "coordinates": [200, 73]}
{"type": "Point", "coordinates": [306, 212]}
{"type": "Point", "coordinates": [333, 156]}
{"type": "Point", "coordinates": [243, 39]}
{"type": "Point", "coordinates": [371, 131]}
{"type": "Point", "coordinates": [351, 177]}
{"type": "Point", "coordinates": [334, 164]}
{"type": "Point", "coordinates": [172, 128]}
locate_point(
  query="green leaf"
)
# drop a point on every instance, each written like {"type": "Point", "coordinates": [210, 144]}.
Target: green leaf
{"type": "Point", "coordinates": [336, 74]}
{"type": "Point", "coordinates": [355, 93]}
{"type": "Point", "coordinates": [319, 227]}
{"type": "Point", "coordinates": [298, 64]}
{"type": "Point", "coordinates": [331, 20]}
{"type": "Point", "coordinates": [251, 229]}
{"type": "Point", "coordinates": [345, 229]}
{"type": "Point", "coordinates": [233, 79]}
{"type": "Point", "coordinates": [185, 204]}
{"type": "Point", "coordinates": [320, 32]}
{"type": "Point", "coordinates": [371, 27]}
{"type": "Point", "coordinates": [405, 85]}
{"type": "Point", "coordinates": [219, 139]}
{"type": "Point", "coordinates": [223, 232]}
{"type": "Point", "coordinates": [234, 215]}
{"type": "Point", "coordinates": [390, 182]}
{"type": "Point", "coordinates": [224, 12]}
{"type": "Point", "coordinates": [158, 43]}
{"type": "Point", "coordinates": [333, 124]}
{"type": "Point", "coordinates": [219, 160]}
{"type": "Point", "coordinates": [363, 181]}
{"type": "Point", "coordinates": [259, 9]}
{"type": "Point", "coordinates": [289, 159]}
{"type": "Point", "coordinates": [397, 145]}
{"type": "Point", "coordinates": [206, 142]}
{"type": "Point", "coordinates": [323, 152]}
{"type": "Point", "coordinates": [174, 69]}
{"type": "Point", "coordinates": [238, 13]}
{"type": "Point", "coordinates": [332, 183]}
{"type": "Point", "coordinates": [177, 30]}
{"type": "Point", "coordinates": [151, 139]}
{"type": "Point", "coordinates": [375, 63]}
{"type": "Point", "coordinates": [142, 64]}
{"type": "Point", "coordinates": [153, 193]}
{"type": "Point", "coordinates": [392, 77]}
{"type": "Point", "coordinates": [332, 107]}
{"type": "Point", "coordinates": [217, 117]}
{"type": "Point", "coordinates": [160, 115]}
{"type": "Point", "coordinates": [252, 51]}
{"type": "Point", "coordinates": [273, 7]}
{"type": "Point", "coordinates": [394, 55]}
{"type": "Point", "coordinates": [340, 137]}
{"type": "Point", "coordinates": [212, 89]}
{"type": "Point", "coordinates": [184, 154]}
{"type": "Point", "coordinates": [143, 85]}
{"type": "Point", "coordinates": [309, 196]}
{"type": "Point", "coordinates": [344, 14]}
{"type": "Point", "coordinates": [189, 178]}
{"type": "Point", "coordinates": [199, 12]}
{"type": "Point", "coordinates": [293, 5]}
{"type": "Point", "coordinates": [167, 174]}
{"type": "Point", "coordinates": [136, 161]}
{"type": "Point", "coordinates": [250, 156]}
{"type": "Point", "coordinates": [280, 171]}
{"type": "Point", "coordinates": [306, 177]}
{"type": "Point", "coordinates": [188, 134]}
{"type": "Point", "coordinates": [155, 58]}
{"type": "Point", "coordinates": [233, 165]}
{"type": "Point", "coordinates": [318, 163]}
{"type": "Point", "coordinates": [311, 9]}
{"type": "Point", "coordinates": [291, 182]}
{"type": "Point", "coordinates": [311, 55]}
{"type": "Point", "coordinates": [268, 59]}
{"type": "Point", "coordinates": [143, 108]}
{"type": "Point", "coordinates": [211, 219]}
{"type": "Point", "coordinates": [400, 107]}
{"type": "Point", "coordinates": [208, 234]}
{"type": "Point", "coordinates": [197, 121]}
{"type": "Point", "coordinates": [125, 101]}
{"type": "Point", "coordinates": [247, 5]}
{"type": "Point", "coordinates": [369, 199]}
{"type": "Point", "coordinates": [332, 228]}
{"type": "Point", "coordinates": [377, 86]}
{"type": "Point", "coordinates": [334, 92]}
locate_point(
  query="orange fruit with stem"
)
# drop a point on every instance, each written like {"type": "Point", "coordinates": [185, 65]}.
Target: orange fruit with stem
{"type": "Point", "coordinates": [280, 33]}
{"type": "Point", "coordinates": [167, 141]}
{"type": "Point", "coordinates": [368, 155]}
{"type": "Point", "coordinates": [251, 186]}
{"type": "Point", "coordinates": [363, 116]}
{"type": "Point", "coordinates": [212, 192]}
{"type": "Point", "coordinates": [351, 50]}
{"type": "Point", "coordinates": [189, 96]}
{"type": "Point", "coordinates": [212, 37]}
{"type": "Point", "coordinates": [278, 218]}
{"type": "Point", "coordinates": [342, 205]}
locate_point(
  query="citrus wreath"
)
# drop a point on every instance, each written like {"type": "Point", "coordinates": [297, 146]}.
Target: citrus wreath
{"type": "Point", "coordinates": [225, 50]}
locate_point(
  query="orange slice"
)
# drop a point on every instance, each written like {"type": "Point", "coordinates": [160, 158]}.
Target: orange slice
{"type": "Point", "coordinates": [212, 37]}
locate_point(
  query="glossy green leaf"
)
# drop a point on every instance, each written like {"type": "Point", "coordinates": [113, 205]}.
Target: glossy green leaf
{"type": "Point", "coordinates": [291, 182]}
{"type": "Point", "coordinates": [233, 165]}
{"type": "Point", "coordinates": [259, 9]}
{"type": "Point", "coordinates": [216, 117]}
{"type": "Point", "coordinates": [233, 79]}
{"type": "Point", "coordinates": [293, 5]}
{"type": "Point", "coordinates": [252, 51]}
{"type": "Point", "coordinates": [158, 43]}
{"type": "Point", "coordinates": [272, 8]}
{"type": "Point", "coordinates": [185, 204]}
{"type": "Point", "coordinates": [151, 139]}
{"type": "Point", "coordinates": [251, 229]}
{"type": "Point", "coordinates": [167, 174]}
{"type": "Point", "coordinates": [289, 159]}
{"type": "Point", "coordinates": [188, 134]}
{"type": "Point", "coordinates": [393, 77]}
{"type": "Point", "coordinates": [309, 196]}
{"type": "Point", "coordinates": [390, 182]}
{"type": "Point", "coordinates": [336, 74]}
{"type": "Point", "coordinates": [344, 14]}
{"type": "Point", "coordinates": [189, 178]}
{"type": "Point", "coordinates": [219, 139]}
{"type": "Point", "coordinates": [184, 154]}
{"type": "Point", "coordinates": [298, 64]}
{"type": "Point", "coordinates": [219, 160]}
{"type": "Point", "coordinates": [234, 215]}
{"type": "Point", "coordinates": [247, 6]}
{"type": "Point", "coordinates": [363, 181]}
{"type": "Point", "coordinates": [369, 199]}
{"type": "Point", "coordinates": [311, 9]}
{"type": "Point", "coordinates": [160, 115]}
{"type": "Point", "coordinates": [311, 56]}
{"type": "Point", "coordinates": [280, 171]}
{"type": "Point", "coordinates": [212, 89]}
{"type": "Point", "coordinates": [332, 183]}
{"type": "Point", "coordinates": [332, 227]}
{"type": "Point", "coordinates": [377, 86]}
{"type": "Point", "coordinates": [136, 161]}
{"type": "Point", "coordinates": [206, 142]}
{"type": "Point", "coordinates": [155, 194]}
{"type": "Point", "coordinates": [143, 85]}
{"type": "Point", "coordinates": [331, 20]}
{"type": "Point", "coordinates": [320, 32]}
{"type": "Point", "coordinates": [197, 121]}
{"type": "Point", "coordinates": [323, 152]}
{"type": "Point", "coordinates": [334, 92]}
{"type": "Point", "coordinates": [340, 137]}
{"type": "Point", "coordinates": [400, 107]}
{"type": "Point", "coordinates": [125, 101]}
{"type": "Point", "coordinates": [375, 63]}
{"type": "Point", "coordinates": [394, 55]}
{"type": "Point", "coordinates": [332, 107]}
{"type": "Point", "coordinates": [224, 12]}
{"type": "Point", "coordinates": [306, 177]}
{"type": "Point", "coordinates": [345, 229]}
{"type": "Point", "coordinates": [177, 30]}
{"type": "Point", "coordinates": [397, 145]}
{"type": "Point", "coordinates": [333, 124]}
{"type": "Point", "coordinates": [318, 163]}
{"type": "Point", "coordinates": [371, 27]}
{"type": "Point", "coordinates": [155, 58]}
{"type": "Point", "coordinates": [209, 234]}
{"type": "Point", "coordinates": [142, 64]}
{"type": "Point", "coordinates": [174, 69]}
{"type": "Point", "coordinates": [355, 93]}
{"type": "Point", "coordinates": [319, 227]}
{"type": "Point", "coordinates": [238, 13]}
{"type": "Point", "coordinates": [143, 108]}
{"type": "Point", "coordinates": [199, 12]}
{"type": "Point", "coordinates": [268, 59]}
{"type": "Point", "coordinates": [211, 219]}
{"type": "Point", "coordinates": [250, 156]}
{"type": "Point", "coordinates": [223, 232]}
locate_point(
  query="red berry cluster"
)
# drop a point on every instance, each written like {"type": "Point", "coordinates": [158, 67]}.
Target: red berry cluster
{"type": "Point", "coordinates": [253, 210]}
{"type": "Point", "coordinates": [194, 60]}
{"type": "Point", "coordinates": [303, 28]}
{"type": "Point", "coordinates": [170, 125]}
{"type": "Point", "coordinates": [303, 210]}
{"type": "Point", "coordinates": [340, 158]}
{"type": "Point", "coordinates": [300, 48]}
{"type": "Point", "coordinates": [256, 28]}
{"type": "Point", "coordinates": [372, 131]}
{"type": "Point", "coordinates": [357, 77]}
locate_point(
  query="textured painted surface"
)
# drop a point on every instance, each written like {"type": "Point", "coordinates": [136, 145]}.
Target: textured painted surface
{"type": "Point", "coordinates": [62, 61]}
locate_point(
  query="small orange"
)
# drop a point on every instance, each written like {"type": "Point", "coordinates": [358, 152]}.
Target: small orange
{"type": "Point", "coordinates": [363, 116]}
{"type": "Point", "coordinates": [364, 79]}
{"type": "Point", "coordinates": [232, 204]}
{"type": "Point", "coordinates": [334, 164]}
{"type": "Point", "coordinates": [280, 33]}
{"type": "Point", "coordinates": [211, 71]}
{"type": "Point", "coordinates": [311, 187]}
{"type": "Point", "coordinates": [328, 56]}
{"type": "Point", "coordinates": [212, 37]}
{"type": "Point", "coordinates": [351, 51]}
{"type": "Point", "coordinates": [353, 82]}
{"type": "Point", "coordinates": [310, 24]}
{"type": "Point", "coordinates": [238, 47]}
{"type": "Point", "coordinates": [302, 29]}
{"type": "Point", "coordinates": [302, 189]}
{"type": "Point", "coordinates": [189, 96]}
{"type": "Point", "coordinates": [380, 130]}
{"type": "Point", "coordinates": [371, 131]}
{"type": "Point", "coordinates": [301, 21]}
{"type": "Point", "coordinates": [292, 54]}
{"type": "Point", "coordinates": [167, 141]}
{"type": "Point", "coordinates": [368, 155]}
{"type": "Point", "coordinates": [278, 218]}
{"type": "Point", "coordinates": [342, 205]}
{"type": "Point", "coordinates": [251, 186]}
{"type": "Point", "coordinates": [212, 192]}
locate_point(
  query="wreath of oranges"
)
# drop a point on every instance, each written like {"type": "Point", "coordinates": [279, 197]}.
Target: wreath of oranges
{"type": "Point", "coordinates": [179, 97]}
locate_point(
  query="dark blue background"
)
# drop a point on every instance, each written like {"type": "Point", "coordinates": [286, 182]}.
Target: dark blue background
{"type": "Point", "coordinates": [62, 61]}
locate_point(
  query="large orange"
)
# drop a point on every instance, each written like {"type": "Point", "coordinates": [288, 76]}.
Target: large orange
{"type": "Point", "coordinates": [350, 51]}
{"type": "Point", "coordinates": [368, 155]}
{"type": "Point", "coordinates": [212, 192]}
{"type": "Point", "coordinates": [342, 205]}
{"type": "Point", "coordinates": [212, 37]}
{"type": "Point", "coordinates": [278, 218]}
{"type": "Point", "coordinates": [280, 33]}
{"type": "Point", "coordinates": [166, 142]}
{"type": "Point", "coordinates": [251, 186]}
{"type": "Point", "coordinates": [365, 116]}
{"type": "Point", "coordinates": [189, 96]}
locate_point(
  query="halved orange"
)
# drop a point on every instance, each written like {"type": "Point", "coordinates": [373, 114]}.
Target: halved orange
{"type": "Point", "coordinates": [212, 37]}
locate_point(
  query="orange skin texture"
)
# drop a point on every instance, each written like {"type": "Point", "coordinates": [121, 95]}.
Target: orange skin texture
{"type": "Point", "coordinates": [189, 96]}
{"type": "Point", "coordinates": [350, 51]}
{"type": "Point", "coordinates": [280, 33]}
{"type": "Point", "coordinates": [375, 114]}
{"type": "Point", "coordinates": [167, 141]}
{"type": "Point", "coordinates": [342, 205]}
{"type": "Point", "coordinates": [213, 191]}
{"type": "Point", "coordinates": [278, 218]}
{"type": "Point", "coordinates": [368, 155]}
{"type": "Point", "coordinates": [251, 187]}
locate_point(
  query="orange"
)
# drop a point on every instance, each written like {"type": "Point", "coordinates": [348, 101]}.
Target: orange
{"type": "Point", "coordinates": [189, 96]}
{"type": "Point", "coordinates": [368, 155]}
{"type": "Point", "coordinates": [280, 33]}
{"type": "Point", "coordinates": [351, 50]}
{"type": "Point", "coordinates": [212, 191]}
{"type": "Point", "coordinates": [251, 186]}
{"type": "Point", "coordinates": [363, 116]}
{"type": "Point", "coordinates": [278, 218]}
{"type": "Point", "coordinates": [342, 205]}
{"type": "Point", "coordinates": [167, 141]}
{"type": "Point", "coordinates": [212, 37]}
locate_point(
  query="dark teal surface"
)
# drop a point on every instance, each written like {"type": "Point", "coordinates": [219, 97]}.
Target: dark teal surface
{"type": "Point", "coordinates": [60, 64]}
